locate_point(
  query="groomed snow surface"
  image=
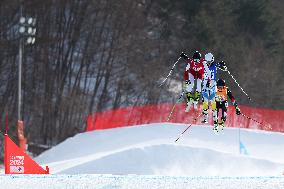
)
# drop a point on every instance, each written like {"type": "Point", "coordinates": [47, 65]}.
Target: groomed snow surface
{"type": "Point", "coordinates": [146, 156]}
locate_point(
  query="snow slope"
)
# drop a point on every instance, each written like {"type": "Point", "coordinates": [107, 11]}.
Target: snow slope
{"type": "Point", "coordinates": [151, 150]}
{"type": "Point", "coordinates": [146, 156]}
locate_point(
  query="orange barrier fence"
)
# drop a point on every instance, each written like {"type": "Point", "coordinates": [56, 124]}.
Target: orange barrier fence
{"type": "Point", "coordinates": [271, 120]}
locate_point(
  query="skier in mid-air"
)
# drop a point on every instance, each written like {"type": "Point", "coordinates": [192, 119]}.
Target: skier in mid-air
{"type": "Point", "coordinates": [209, 86]}
{"type": "Point", "coordinates": [221, 98]}
{"type": "Point", "coordinates": [194, 71]}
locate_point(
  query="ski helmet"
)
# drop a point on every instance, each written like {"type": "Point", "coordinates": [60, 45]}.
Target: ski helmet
{"type": "Point", "coordinates": [209, 57]}
{"type": "Point", "coordinates": [221, 83]}
{"type": "Point", "coordinates": [196, 55]}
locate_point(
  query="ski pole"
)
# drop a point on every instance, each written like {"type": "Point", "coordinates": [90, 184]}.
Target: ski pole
{"type": "Point", "coordinates": [174, 106]}
{"type": "Point", "coordinates": [251, 119]}
{"type": "Point", "coordinates": [238, 84]}
{"type": "Point", "coordinates": [170, 72]}
{"type": "Point", "coordinates": [187, 127]}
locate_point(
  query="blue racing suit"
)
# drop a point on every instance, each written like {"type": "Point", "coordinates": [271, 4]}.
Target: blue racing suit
{"type": "Point", "coordinates": [209, 89]}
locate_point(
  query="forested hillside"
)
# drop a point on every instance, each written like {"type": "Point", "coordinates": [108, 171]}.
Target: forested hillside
{"type": "Point", "coordinates": [92, 55]}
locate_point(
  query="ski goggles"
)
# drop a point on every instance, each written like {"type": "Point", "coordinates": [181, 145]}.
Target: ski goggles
{"type": "Point", "coordinates": [196, 60]}
{"type": "Point", "coordinates": [220, 87]}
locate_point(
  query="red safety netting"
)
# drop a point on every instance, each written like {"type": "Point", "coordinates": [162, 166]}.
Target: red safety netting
{"type": "Point", "coordinates": [271, 120]}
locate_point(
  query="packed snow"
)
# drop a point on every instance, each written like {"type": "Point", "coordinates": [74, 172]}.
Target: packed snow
{"type": "Point", "coordinates": [147, 156]}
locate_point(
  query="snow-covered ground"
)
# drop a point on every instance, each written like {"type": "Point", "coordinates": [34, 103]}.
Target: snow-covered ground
{"type": "Point", "coordinates": [137, 182]}
{"type": "Point", "coordinates": [147, 157]}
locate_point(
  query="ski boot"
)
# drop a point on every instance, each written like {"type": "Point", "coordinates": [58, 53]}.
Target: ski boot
{"type": "Point", "coordinates": [197, 96]}
{"type": "Point", "coordinates": [189, 99]}
{"type": "Point", "coordinates": [222, 124]}
{"type": "Point", "coordinates": [195, 105]}
{"type": "Point", "coordinates": [215, 128]}
{"type": "Point", "coordinates": [205, 116]}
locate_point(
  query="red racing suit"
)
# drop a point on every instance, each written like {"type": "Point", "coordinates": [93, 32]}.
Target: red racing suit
{"type": "Point", "coordinates": [196, 69]}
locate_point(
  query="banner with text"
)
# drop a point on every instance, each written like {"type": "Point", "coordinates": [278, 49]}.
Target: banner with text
{"type": "Point", "coordinates": [18, 162]}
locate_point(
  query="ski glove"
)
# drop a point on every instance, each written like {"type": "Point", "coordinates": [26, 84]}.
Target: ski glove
{"type": "Point", "coordinates": [183, 55]}
{"type": "Point", "coordinates": [222, 65]}
{"type": "Point", "coordinates": [238, 111]}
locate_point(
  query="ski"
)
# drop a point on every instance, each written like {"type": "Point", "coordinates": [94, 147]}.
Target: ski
{"type": "Point", "coordinates": [174, 106]}
{"type": "Point", "coordinates": [188, 127]}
